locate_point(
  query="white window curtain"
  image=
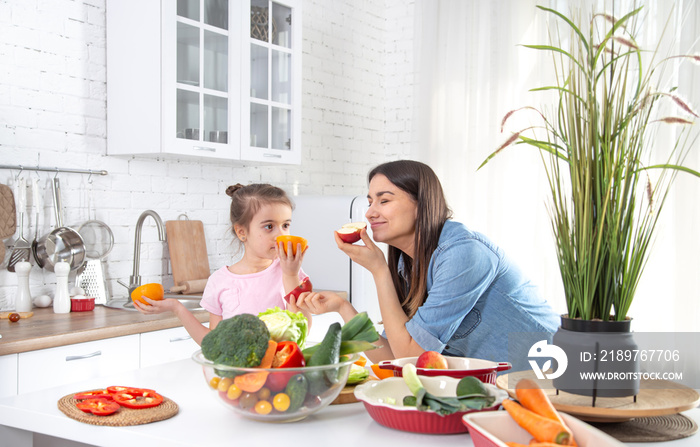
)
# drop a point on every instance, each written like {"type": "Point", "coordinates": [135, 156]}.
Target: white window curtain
{"type": "Point", "coordinates": [471, 69]}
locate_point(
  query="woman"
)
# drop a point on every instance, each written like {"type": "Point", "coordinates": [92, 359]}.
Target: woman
{"type": "Point", "coordinates": [443, 287]}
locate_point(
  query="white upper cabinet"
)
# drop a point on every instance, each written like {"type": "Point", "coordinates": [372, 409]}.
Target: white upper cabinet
{"type": "Point", "coordinates": [205, 78]}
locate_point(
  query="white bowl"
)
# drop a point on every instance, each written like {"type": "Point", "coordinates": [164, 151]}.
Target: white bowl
{"type": "Point", "coordinates": [496, 428]}
{"type": "Point", "coordinates": [378, 395]}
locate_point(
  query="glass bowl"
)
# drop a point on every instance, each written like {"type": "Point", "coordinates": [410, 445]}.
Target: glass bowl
{"type": "Point", "coordinates": [288, 394]}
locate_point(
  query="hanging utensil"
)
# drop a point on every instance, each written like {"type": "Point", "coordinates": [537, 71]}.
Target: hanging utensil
{"type": "Point", "coordinates": [38, 205]}
{"type": "Point", "coordinates": [8, 217]}
{"type": "Point", "coordinates": [22, 249]}
{"type": "Point", "coordinates": [61, 244]}
{"type": "Point", "coordinates": [99, 241]}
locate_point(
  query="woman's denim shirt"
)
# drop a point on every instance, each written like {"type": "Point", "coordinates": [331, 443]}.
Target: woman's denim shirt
{"type": "Point", "coordinates": [476, 297]}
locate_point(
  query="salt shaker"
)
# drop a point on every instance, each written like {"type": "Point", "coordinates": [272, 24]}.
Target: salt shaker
{"type": "Point", "coordinates": [23, 299]}
{"type": "Point", "coordinates": [61, 300]}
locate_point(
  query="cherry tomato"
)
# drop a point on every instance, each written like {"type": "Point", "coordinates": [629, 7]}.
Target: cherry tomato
{"type": "Point", "coordinates": [264, 394]}
{"type": "Point", "coordinates": [224, 384]}
{"type": "Point", "coordinates": [263, 407]}
{"type": "Point", "coordinates": [14, 317]}
{"type": "Point", "coordinates": [234, 392]}
{"type": "Point", "coordinates": [280, 402]}
{"type": "Point", "coordinates": [214, 382]}
{"type": "Point", "coordinates": [247, 400]}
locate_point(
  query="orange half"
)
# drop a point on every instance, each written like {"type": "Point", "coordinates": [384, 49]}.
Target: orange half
{"type": "Point", "coordinates": [152, 290]}
{"type": "Point", "coordinates": [294, 240]}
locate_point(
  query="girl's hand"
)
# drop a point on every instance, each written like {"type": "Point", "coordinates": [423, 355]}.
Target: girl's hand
{"type": "Point", "coordinates": [156, 307]}
{"type": "Point", "coordinates": [369, 256]}
{"type": "Point", "coordinates": [290, 263]}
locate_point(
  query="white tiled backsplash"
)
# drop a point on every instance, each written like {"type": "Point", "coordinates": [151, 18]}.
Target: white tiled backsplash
{"type": "Point", "coordinates": [357, 97]}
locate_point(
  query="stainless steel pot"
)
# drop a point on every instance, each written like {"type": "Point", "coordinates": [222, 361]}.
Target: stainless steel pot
{"type": "Point", "coordinates": [61, 244]}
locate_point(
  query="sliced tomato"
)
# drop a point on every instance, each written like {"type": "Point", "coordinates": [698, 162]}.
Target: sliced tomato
{"type": "Point", "coordinates": [138, 398]}
{"type": "Point", "coordinates": [98, 406]}
{"type": "Point", "coordinates": [93, 395]}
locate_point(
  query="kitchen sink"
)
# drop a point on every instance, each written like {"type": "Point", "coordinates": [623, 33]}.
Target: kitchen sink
{"type": "Point", "coordinates": [191, 302]}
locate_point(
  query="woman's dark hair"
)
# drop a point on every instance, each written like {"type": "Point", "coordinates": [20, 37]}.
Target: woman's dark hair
{"type": "Point", "coordinates": [420, 182]}
{"type": "Point", "coordinates": [247, 200]}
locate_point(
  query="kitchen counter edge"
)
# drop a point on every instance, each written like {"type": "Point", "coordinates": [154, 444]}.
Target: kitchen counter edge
{"type": "Point", "coordinates": [45, 329]}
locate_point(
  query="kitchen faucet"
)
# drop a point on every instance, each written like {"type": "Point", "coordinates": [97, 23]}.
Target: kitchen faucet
{"type": "Point", "coordinates": [135, 279]}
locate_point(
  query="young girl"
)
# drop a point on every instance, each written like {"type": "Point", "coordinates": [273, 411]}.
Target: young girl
{"type": "Point", "coordinates": [265, 273]}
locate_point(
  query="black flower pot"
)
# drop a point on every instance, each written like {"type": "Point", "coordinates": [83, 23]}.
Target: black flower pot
{"type": "Point", "coordinates": [602, 360]}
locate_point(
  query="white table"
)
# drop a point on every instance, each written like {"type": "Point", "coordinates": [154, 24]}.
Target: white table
{"type": "Point", "coordinates": [203, 421]}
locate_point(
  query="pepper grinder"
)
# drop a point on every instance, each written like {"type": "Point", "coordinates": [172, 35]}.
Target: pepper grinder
{"type": "Point", "coordinates": [61, 300]}
{"type": "Point", "coordinates": [23, 299]}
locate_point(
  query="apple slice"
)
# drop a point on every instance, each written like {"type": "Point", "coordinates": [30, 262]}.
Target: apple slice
{"type": "Point", "coordinates": [305, 286]}
{"type": "Point", "coordinates": [350, 232]}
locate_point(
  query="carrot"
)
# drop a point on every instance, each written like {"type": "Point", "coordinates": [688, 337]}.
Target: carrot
{"type": "Point", "coordinates": [515, 444]}
{"type": "Point", "coordinates": [362, 361]}
{"type": "Point", "coordinates": [266, 361]}
{"type": "Point", "coordinates": [251, 382]}
{"type": "Point", "coordinates": [543, 429]}
{"type": "Point", "coordinates": [532, 397]}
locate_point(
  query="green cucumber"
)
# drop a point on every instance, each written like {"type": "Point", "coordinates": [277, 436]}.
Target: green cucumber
{"type": "Point", "coordinates": [327, 353]}
{"type": "Point", "coordinates": [296, 390]}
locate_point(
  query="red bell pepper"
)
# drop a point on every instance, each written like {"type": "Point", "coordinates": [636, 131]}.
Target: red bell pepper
{"type": "Point", "coordinates": [138, 398]}
{"type": "Point", "coordinates": [104, 394]}
{"type": "Point", "coordinates": [98, 406]}
{"type": "Point", "coordinates": [288, 355]}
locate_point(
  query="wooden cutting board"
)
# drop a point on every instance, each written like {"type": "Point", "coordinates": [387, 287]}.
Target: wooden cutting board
{"type": "Point", "coordinates": [347, 394]}
{"type": "Point", "coordinates": [188, 250]}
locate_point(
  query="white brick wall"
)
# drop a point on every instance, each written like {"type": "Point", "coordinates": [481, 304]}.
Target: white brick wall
{"type": "Point", "coordinates": [357, 98]}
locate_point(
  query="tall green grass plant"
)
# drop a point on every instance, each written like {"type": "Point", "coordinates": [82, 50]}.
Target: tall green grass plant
{"type": "Point", "coordinates": [597, 147]}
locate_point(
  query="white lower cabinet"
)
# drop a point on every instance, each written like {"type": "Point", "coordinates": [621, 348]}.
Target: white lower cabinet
{"type": "Point", "coordinates": [165, 346]}
{"type": "Point", "coordinates": [8, 373]}
{"type": "Point", "coordinates": [51, 367]}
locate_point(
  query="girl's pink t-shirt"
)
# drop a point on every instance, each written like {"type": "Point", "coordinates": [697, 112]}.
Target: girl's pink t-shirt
{"type": "Point", "coordinates": [228, 294]}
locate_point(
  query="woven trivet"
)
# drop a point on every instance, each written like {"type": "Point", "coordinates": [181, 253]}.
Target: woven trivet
{"type": "Point", "coordinates": [123, 417]}
{"type": "Point", "coordinates": [650, 429]}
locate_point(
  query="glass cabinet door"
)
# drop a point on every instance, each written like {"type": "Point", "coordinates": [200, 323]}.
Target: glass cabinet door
{"type": "Point", "coordinates": [274, 102]}
{"type": "Point", "coordinates": [202, 73]}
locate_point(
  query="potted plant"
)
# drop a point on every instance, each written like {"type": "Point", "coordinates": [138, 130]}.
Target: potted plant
{"type": "Point", "coordinates": [606, 192]}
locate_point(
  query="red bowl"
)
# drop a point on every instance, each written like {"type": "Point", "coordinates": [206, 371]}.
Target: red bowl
{"type": "Point", "coordinates": [82, 304]}
{"type": "Point", "coordinates": [383, 401]}
{"type": "Point", "coordinates": [458, 367]}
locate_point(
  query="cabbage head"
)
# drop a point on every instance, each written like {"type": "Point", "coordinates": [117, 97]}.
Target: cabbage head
{"type": "Point", "coordinates": [285, 325]}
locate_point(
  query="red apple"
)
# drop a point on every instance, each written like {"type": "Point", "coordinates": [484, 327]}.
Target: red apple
{"type": "Point", "coordinates": [432, 360]}
{"type": "Point", "coordinates": [350, 232]}
{"type": "Point", "coordinates": [305, 286]}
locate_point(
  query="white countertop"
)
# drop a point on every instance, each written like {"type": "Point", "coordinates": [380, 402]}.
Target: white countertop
{"type": "Point", "coordinates": [203, 421]}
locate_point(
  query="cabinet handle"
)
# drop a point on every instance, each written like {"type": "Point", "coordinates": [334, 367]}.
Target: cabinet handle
{"type": "Point", "coordinates": [202, 148]}
{"type": "Point", "coordinates": [187, 337]}
{"type": "Point", "coordinates": [85, 356]}
{"type": "Point", "coordinates": [272, 155]}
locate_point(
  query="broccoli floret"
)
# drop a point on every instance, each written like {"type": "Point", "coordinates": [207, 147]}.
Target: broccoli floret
{"type": "Point", "coordinates": [239, 341]}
